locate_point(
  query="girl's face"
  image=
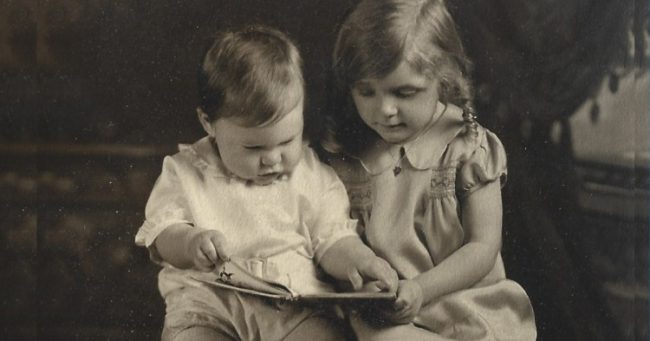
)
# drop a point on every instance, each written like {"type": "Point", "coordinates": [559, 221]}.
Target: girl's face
{"type": "Point", "coordinates": [398, 106]}
{"type": "Point", "coordinates": [259, 154]}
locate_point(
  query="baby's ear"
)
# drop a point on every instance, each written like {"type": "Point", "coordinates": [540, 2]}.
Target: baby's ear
{"type": "Point", "coordinates": [205, 121]}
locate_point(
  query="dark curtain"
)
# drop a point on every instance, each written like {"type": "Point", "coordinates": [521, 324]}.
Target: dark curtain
{"type": "Point", "coordinates": [536, 61]}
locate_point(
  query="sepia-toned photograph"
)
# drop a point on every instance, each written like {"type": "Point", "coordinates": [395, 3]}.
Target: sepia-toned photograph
{"type": "Point", "coordinates": [324, 170]}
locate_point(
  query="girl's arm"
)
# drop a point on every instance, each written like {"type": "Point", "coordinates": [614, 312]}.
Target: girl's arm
{"type": "Point", "coordinates": [185, 246]}
{"type": "Point", "coordinates": [350, 259]}
{"type": "Point", "coordinates": [481, 219]}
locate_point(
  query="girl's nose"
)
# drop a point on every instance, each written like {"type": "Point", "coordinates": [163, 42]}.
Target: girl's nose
{"type": "Point", "coordinates": [271, 158]}
{"type": "Point", "coordinates": [388, 107]}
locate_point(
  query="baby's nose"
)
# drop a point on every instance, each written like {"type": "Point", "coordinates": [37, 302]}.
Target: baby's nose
{"type": "Point", "coordinates": [271, 158]}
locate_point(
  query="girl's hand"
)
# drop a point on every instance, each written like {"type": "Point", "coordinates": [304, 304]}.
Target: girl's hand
{"type": "Point", "coordinates": [408, 303]}
{"type": "Point", "coordinates": [206, 249]}
{"type": "Point", "coordinates": [375, 270]}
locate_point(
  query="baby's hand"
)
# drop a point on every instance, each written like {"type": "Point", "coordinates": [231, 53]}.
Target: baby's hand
{"type": "Point", "coordinates": [376, 270]}
{"type": "Point", "coordinates": [408, 303]}
{"type": "Point", "coordinates": [206, 249]}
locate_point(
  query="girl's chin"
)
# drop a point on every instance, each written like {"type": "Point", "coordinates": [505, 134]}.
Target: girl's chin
{"type": "Point", "coordinates": [395, 138]}
{"type": "Point", "coordinates": [394, 134]}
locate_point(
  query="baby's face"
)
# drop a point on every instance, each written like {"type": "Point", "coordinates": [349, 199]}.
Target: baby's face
{"type": "Point", "coordinates": [261, 154]}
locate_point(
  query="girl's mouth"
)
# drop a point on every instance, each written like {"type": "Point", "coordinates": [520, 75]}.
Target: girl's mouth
{"type": "Point", "coordinates": [393, 126]}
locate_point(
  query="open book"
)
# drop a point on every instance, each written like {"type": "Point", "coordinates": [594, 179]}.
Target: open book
{"type": "Point", "coordinates": [233, 276]}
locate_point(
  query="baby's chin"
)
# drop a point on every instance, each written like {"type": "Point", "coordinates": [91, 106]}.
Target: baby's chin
{"type": "Point", "coordinates": [266, 180]}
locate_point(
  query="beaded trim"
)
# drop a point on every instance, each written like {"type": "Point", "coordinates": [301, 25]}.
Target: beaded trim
{"type": "Point", "coordinates": [470, 120]}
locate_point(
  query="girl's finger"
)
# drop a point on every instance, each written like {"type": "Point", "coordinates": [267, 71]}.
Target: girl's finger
{"type": "Point", "coordinates": [404, 315]}
{"type": "Point", "coordinates": [399, 318]}
{"type": "Point", "coordinates": [400, 304]}
{"type": "Point", "coordinates": [403, 320]}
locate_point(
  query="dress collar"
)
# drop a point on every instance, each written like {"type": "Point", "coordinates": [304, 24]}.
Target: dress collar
{"type": "Point", "coordinates": [423, 151]}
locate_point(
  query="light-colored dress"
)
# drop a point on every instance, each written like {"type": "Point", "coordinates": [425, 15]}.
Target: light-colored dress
{"type": "Point", "coordinates": [408, 201]}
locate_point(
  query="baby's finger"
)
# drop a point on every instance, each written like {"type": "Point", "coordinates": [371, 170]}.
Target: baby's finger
{"type": "Point", "coordinates": [391, 281]}
{"type": "Point", "coordinates": [221, 246]}
{"type": "Point", "coordinates": [373, 286]}
{"type": "Point", "coordinates": [210, 252]}
{"type": "Point", "coordinates": [355, 278]}
{"type": "Point", "coordinates": [387, 276]}
{"type": "Point", "coordinates": [202, 263]}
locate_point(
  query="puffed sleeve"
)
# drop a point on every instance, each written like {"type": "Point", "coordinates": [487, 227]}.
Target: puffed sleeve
{"type": "Point", "coordinates": [485, 163]}
{"type": "Point", "coordinates": [166, 206]}
{"type": "Point", "coordinates": [330, 221]}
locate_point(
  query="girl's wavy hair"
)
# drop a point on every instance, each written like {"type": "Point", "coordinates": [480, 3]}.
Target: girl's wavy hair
{"type": "Point", "coordinates": [374, 39]}
{"type": "Point", "coordinates": [253, 75]}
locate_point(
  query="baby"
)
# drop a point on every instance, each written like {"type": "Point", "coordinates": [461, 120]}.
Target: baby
{"type": "Point", "coordinates": [252, 189]}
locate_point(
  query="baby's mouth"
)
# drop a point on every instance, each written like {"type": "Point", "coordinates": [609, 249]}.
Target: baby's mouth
{"type": "Point", "coordinates": [270, 175]}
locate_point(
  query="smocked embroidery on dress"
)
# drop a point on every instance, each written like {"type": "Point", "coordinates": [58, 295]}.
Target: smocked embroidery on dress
{"type": "Point", "coordinates": [443, 182]}
{"type": "Point", "coordinates": [360, 195]}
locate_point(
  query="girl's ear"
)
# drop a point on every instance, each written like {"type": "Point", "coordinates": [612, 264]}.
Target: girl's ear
{"type": "Point", "coordinates": [205, 122]}
{"type": "Point", "coordinates": [444, 89]}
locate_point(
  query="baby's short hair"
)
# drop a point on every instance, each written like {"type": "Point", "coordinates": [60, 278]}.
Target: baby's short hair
{"type": "Point", "coordinates": [253, 75]}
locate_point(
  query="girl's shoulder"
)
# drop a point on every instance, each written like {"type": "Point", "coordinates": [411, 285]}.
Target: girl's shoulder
{"type": "Point", "coordinates": [470, 139]}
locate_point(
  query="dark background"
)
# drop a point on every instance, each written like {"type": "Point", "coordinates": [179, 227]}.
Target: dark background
{"type": "Point", "coordinates": [94, 93]}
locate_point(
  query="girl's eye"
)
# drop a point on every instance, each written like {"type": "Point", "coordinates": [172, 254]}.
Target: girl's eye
{"type": "Point", "coordinates": [405, 93]}
{"type": "Point", "coordinates": [365, 92]}
{"type": "Point", "coordinates": [252, 147]}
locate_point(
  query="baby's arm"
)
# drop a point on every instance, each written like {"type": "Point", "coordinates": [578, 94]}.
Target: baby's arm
{"type": "Point", "coordinates": [482, 214]}
{"type": "Point", "coordinates": [350, 259]}
{"type": "Point", "coordinates": [185, 246]}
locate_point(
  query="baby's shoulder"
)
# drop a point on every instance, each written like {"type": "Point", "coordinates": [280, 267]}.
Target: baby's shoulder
{"type": "Point", "coordinates": [192, 158]}
{"type": "Point", "coordinates": [309, 157]}
{"type": "Point", "coordinates": [310, 168]}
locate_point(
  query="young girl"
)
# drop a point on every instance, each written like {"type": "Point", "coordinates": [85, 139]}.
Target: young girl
{"type": "Point", "coordinates": [423, 177]}
{"type": "Point", "coordinates": [251, 189]}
